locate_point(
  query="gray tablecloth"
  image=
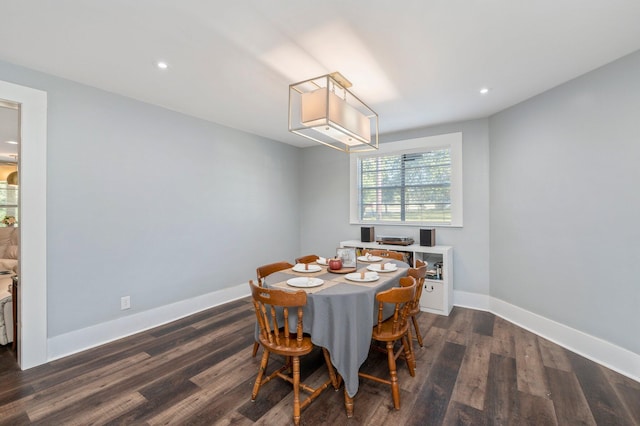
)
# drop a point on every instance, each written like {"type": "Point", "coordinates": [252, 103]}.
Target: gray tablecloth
{"type": "Point", "coordinates": [340, 317]}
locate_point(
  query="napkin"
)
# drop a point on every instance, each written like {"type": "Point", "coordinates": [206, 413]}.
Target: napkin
{"type": "Point", "coordinates": [385, 266]}
{"type": "Point", "coordinates": [302, 266]}
{"type": "Point", "coordinates": [322, 260]}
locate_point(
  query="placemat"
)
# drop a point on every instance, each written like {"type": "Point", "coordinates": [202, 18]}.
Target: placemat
{"type": "Point", "coordinates": [283, 285]}
{"type": "Point", "coordinates": [384, 276]}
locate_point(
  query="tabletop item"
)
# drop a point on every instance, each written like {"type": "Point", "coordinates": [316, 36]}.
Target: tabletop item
{"type": "Point", "coordinates": [369, 258]}
{"type": "Point", "coordinates": [363, 277]}
{"type": "Point", "coordinates": [342, 271]}
{"type": "Point", "coordinates": [305, 267]}
{"type": "Point", "coordinates": [305, 282]}
{"type": "Point", "coordinates": [348, 256]}
{"type": "Point", "coordinates": [383, 267]}
{"type": "Point", "coordinates": [335, 264]}
{"type": "Point", "coordinates": [321, 261]}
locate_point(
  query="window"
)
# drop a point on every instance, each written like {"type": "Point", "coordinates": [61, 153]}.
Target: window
{"type": "Point", "coordinates": [413, 182]}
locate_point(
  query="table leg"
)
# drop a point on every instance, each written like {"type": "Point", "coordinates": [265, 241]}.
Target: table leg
{"type": "Point", "coordinates": [348, 403]}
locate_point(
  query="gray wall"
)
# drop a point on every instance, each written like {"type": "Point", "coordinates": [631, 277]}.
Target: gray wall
{"type": "Point", "coordinates": [565, 203]}
{"type": "Point", "coordinates": [325, 204]}
{"type": "Point", "coordinates": [160, 206]}
{"type": "Point", "coordinates": [150, 203]}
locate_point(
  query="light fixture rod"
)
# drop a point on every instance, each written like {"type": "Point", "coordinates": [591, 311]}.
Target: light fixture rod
{"type": "Point", "coordinates": [340, 79]}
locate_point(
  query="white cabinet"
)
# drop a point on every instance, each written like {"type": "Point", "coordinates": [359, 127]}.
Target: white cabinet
{"type": "Point", "coordinates": [437, 294]}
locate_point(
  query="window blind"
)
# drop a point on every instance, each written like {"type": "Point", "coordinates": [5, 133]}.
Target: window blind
{"type": "Point", "coordinates": [411, 187]}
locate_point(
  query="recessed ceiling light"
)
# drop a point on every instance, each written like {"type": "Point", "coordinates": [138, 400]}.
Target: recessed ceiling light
{"type": "Point", "coordinates": [12, 142]}
{"type": "Point", "coordinates": [162, 65]}
{"type": "Point", "coordinates": [484, 90]}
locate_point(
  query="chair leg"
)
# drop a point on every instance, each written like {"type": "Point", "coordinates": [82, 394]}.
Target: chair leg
{"type": "Point", "coordinates": [408, 354]}
{"type": "Point", "coordinates": [395, 389]}
{"type": "Point", "coordinates": [296, 390]}
{"type": "Point", "coordinates": [415, 326]}
{"type": "Point", "coordinates": [256, 345]}
{"type": "Point", "coordinates": [348, 403]}
{"type": "Point", "coordinates": [332, 373]}
{"type": "Point", "coordinates": [263, 368]}
{"type": "Point", "coordinates": [410, 344]}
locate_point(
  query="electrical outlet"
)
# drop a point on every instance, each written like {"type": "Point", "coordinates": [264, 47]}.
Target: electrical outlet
{"type": "Point", "coordinates": [125, 303]}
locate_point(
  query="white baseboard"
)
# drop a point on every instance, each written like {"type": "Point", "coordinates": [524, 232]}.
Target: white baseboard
{"type": "Point", "coordinates": [89, 337]}
{"type": "Point", "coordinates": [614, 357]}
{"type": "Point", "coordinates": [472, 300]}
{"type": "Point", "coordinates": [598, 350]}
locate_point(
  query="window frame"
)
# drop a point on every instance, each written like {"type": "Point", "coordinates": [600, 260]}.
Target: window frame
{"type": "Point", "coordinates": [451, 141]}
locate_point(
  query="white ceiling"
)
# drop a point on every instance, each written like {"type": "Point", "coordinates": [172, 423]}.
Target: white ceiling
{"type": "Point", "coordinates": [416, 63]}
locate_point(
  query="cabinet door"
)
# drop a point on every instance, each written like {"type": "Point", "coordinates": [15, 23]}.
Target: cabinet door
{"type": "Point", "coordinates": [432, 295]}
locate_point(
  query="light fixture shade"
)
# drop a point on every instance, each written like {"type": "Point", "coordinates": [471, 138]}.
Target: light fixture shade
{"type": "Point", "coordinates": [324, 110]}
{"type": "Point", "coordinates": [12, 178]}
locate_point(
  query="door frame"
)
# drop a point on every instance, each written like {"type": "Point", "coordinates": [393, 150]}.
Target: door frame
{"type": "Point", "coordinates": [32, 304]}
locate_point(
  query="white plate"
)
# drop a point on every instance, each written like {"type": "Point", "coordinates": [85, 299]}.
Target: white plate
{"type": "Point", "coordinates": [312, 268]}
{"type": "Point", "coordinates": [387, 267]}
{"type": "Point", "coordinates": [356, 277]}
{"type": "Point", "coordinates": [304, 282]}
{"type": "Point", "coordinates": [369, 258]}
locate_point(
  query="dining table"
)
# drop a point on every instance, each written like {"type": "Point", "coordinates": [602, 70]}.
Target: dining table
{"type": "Point", "coordinates": [340, 313]}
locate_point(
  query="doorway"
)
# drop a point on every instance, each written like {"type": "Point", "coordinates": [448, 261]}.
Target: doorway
{"type": "Point", "coordinates": [9, 229]}
{"type": "Point", "coordinates": [32, 303]}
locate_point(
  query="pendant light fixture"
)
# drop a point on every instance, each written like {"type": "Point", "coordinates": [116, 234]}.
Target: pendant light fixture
{"type": "Point", "coordinates": [324, 110]}
{"type": "Point", "coordinates": [12, 178]}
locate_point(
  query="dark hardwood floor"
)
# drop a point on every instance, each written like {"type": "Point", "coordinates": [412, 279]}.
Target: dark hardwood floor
{"type": "Point", "coordinates": [475, 369]}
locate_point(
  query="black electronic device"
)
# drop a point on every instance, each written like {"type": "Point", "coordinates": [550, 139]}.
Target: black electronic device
{"type": "Point", "coordinates": [428, 237]}
{"type": "Point", "coordinates": [367, 234]}
{"type": "Point", "coordinates": [398, 241]}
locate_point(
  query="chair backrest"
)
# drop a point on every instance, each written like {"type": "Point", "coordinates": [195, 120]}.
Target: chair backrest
{"type": "Point", "coordinates": [386, 253]}
{"type": "Point", "coordinates": [264, 270]}
{"type": "Point", "coordinates": [310, 258]}
{"type": "Point", "coordinates": [420, 263]}
{"type": "Point", "coordinates": [400, 296]}
{"type": "Point", "coordinates": [272, 308]}
{"type": "Point", "coordinates": [419, 275]}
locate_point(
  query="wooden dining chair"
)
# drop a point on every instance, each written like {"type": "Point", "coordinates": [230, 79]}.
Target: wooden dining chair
{"type": "Point", "coordinates": [262, 272]}
{"type": "Point", "coordinates": [388, 254]}
{"type": "Point", "coordinates": [420, 263]}
{"type": "Point", "coordinates": [268, 269]}
{"type": "Point", "coordinates": [393, 329]}
{"type": "Point", "coordinates": [310, 258]}
{"type": "Point", "coordinates": [273, 309]}
{"type": "Point", "coordinates": [419, 274]}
